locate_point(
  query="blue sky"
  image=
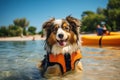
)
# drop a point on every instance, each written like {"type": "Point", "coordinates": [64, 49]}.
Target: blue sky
{"type": "Point", "coordinates": [38, 11]}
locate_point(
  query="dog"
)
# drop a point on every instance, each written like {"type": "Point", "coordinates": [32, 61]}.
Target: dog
{"type": "Point", "coordinates": [62, 46]}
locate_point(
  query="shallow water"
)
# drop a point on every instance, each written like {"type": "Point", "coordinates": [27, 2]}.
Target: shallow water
{"type": "Point", "coordinates": [18, 61]}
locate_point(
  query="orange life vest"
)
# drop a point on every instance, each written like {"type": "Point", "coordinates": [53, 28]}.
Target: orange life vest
{"type": "Point", "coordinates": [61, 60]}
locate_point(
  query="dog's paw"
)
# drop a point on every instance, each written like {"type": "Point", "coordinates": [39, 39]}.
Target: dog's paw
{"type": "Point", "coordinates": [53, 71]}
{"type": "Point", "coordinates": [79, 67]}
{"type": "Point", "coordinates": [39, 65]}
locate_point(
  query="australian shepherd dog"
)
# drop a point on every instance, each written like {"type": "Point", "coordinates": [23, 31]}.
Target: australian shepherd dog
{"type": "Point", "coordinates": [62, 46]}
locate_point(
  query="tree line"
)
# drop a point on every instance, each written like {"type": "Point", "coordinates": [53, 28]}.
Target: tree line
{"type": "Point", "coordinates": [109, 16]}
{"type": "Point", "coordinates": [18, 29]}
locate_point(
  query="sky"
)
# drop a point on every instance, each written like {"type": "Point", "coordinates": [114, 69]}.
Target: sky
{"type": "Point", "coordinates": [39, 11]}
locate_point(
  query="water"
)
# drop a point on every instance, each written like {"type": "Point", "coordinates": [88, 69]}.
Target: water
{"type": "Point", "coordinates": [18, 61]}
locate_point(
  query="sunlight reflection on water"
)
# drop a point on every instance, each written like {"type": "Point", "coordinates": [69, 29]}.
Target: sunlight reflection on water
{"type": "Point", "coordinates": [18, 62]}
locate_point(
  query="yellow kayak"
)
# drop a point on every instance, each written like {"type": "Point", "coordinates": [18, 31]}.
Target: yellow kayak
{"type": "Point", "coordinates": [114, 33]}
{"type": "Point", "coordinates": [110, 40]}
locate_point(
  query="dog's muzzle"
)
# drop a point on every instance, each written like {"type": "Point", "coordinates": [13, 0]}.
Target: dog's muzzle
{"type": "Point", "coordinates": [62, 41]}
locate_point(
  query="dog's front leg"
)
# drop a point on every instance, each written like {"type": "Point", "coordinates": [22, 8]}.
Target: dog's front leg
{"type": "Point", "coordinates": [53, 71]}
{"type": "Point", "coordinates": [78, 66]}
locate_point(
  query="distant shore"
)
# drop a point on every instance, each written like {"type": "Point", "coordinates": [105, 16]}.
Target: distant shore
{"type": "Point", "coordinates": [38, 37]}
{"type": "Point", "coordinates": [24, 38]}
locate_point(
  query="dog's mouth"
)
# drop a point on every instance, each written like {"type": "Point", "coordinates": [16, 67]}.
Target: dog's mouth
{"type": "Point", "coordinates": [62, 42]}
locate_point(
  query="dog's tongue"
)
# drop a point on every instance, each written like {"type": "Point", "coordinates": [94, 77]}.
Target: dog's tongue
{"type": "Point", "coordinates": [62, 43]}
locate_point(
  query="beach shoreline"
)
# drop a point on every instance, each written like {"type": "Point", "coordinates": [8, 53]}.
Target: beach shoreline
{"type": "Point", "coordinates": [27, 38]}
{"type": "Point", "coordinates": [24, 38]}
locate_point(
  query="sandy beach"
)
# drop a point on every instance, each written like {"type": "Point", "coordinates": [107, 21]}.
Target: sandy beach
{"type": "Point", "coordinates": [24, 38]}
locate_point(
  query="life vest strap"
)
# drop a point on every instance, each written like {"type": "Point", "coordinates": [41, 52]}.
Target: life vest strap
{"type": "Point", "coordinates": [67, 61]}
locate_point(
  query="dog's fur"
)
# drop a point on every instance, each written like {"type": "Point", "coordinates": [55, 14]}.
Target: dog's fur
{"type": "Point", "coordinates": [62, 36]}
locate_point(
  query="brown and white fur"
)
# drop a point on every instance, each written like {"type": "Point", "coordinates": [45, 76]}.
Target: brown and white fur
{"type": "Point", "coordinates": [62, 36]}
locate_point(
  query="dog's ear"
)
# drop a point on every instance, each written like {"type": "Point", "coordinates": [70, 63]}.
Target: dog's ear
{"type": "Point", "coordinates": [74, 22]}
{"type": "Point", "coordinates": [48, 24]}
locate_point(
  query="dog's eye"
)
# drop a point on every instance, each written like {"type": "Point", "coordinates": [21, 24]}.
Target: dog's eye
{"type": "Point", "coordinates": [66, 28]}
{"type": "Point", "coordinates": [55, 30]}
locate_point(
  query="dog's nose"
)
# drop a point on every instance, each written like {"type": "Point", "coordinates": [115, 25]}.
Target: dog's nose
{"type": "Point", "coordinates": [60, 36]}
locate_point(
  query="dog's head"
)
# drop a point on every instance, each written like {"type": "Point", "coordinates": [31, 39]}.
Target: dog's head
{"type": "Point", "coordinates": [61, 34]}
